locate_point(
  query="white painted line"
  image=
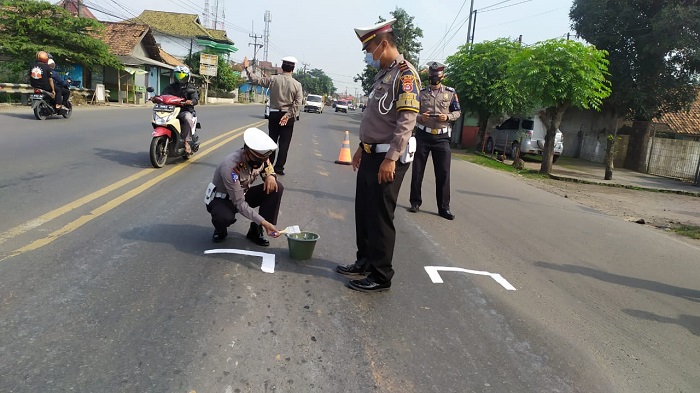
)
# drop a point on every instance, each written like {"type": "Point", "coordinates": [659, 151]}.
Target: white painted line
{"type": "Point", "coordinates": [268, 260]}
{"type": "Point", "coordinates": [435, 276]}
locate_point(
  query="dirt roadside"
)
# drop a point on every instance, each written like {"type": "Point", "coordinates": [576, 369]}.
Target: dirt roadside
{"type": "Point", "coordinates": [658, 209]}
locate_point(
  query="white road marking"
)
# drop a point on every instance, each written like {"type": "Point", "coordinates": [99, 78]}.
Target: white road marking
{"type": "Point", "coordinates": [435, 276]}
{"type": "Point", "coordinates": [268, 260]}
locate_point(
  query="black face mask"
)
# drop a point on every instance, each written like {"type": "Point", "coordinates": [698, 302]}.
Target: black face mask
{"type": "Point", "coordinates": [435, 80]}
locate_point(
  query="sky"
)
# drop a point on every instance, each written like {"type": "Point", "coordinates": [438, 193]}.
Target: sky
{"type": "Point", "coordinates": [320, 32]}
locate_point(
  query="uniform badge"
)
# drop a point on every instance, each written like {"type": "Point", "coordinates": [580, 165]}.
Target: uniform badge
{"type": "Point", "coordinates": [386, 79]}
{"type": "Point", "coordinates": [447, 96]}
{"type": "Point", "coordinates": [407, 82]}
{"type": "Point", "coordinates": [234, 177]}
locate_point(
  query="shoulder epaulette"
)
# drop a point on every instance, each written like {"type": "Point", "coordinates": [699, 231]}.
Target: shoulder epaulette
{"type": "Point", "coordinates": [403, 66]}
{"type": "Point", "coordinates": [449, 88]}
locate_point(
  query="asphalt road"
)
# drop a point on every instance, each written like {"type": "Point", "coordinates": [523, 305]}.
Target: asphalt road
{"type": "Point", "coordinates": [105, 287]}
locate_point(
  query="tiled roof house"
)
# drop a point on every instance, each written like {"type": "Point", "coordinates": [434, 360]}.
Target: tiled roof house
{"type": "Point", "coordinates": [181, 34]}
{"type": "Point", "coordinates": [685, 125]}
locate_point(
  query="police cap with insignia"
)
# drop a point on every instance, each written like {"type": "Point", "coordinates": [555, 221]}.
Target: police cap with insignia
{"type": "Point", "coordinates": [435, 68]}
{"type": "Point", "coordinates": [259, 142]}
{"type": "Point", "coordinates": [366, 34]}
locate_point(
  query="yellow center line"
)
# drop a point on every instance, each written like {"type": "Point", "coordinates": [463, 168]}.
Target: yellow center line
{"type": "Point", "coordinates": [109, 205]}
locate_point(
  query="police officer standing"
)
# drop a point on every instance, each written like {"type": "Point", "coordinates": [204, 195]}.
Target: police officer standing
{"type": "Point", "coordinates": [230, 191]}
{"type": "Point", "coordinates": [386, 127]}
{"type": "Point", "coordinates": [285, 100]}
{"type": "Point", "coordinates": [439, 108]}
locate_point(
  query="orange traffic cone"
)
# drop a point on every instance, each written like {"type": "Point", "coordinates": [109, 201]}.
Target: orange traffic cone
{"type": "Point", "coordinates": [345, 157]}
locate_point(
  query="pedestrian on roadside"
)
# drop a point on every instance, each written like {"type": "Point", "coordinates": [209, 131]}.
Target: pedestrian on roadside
{"type": "Point", "coordinates": [230, 191]}
{"type": "Point", "coordinates": [439, 108]}
{"type": "Point", "coordinates": [386, 127]}
{"type": "Point", "coordinates": [285, 99]}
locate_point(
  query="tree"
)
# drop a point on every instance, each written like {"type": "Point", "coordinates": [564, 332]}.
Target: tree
{"type": "Point", "coordinates": [654, 57]}
{"type": "Point", "coordinates": [315, 81]}
{"type": "Point", "coordinates": [30, 26]}
{"type": "Point", "coordinates": [556, 75]}
{"type": "Point", "coordinates": [407, 42]}
{"type": "Point", "coordinates": [479, 74]}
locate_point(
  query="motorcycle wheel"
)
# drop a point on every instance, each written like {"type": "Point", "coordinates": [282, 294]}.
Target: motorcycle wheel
{"type": "Point", "coordinates": [38, 114]}
{"type": "Point", "coordinates": [158, 151]}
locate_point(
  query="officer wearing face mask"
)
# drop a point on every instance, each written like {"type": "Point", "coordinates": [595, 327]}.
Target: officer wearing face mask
{"type": "Point", "coordinates": [439, 108]}
{"type": "Point", "coordinates": [380, 160]}
{"type": "Point", "coordinates": [230, 191]}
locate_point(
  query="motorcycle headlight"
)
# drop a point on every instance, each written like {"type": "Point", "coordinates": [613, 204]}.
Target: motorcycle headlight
{"type": "Point", "coordinates": [161, 120]}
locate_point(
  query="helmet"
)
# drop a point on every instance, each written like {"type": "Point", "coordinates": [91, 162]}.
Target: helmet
{"type": "Point", "coordinates": [42, 56]}
{"type": "Point", "coordinates": [52, 63]}
{"type": "Point", "coordinates": [182, 74]}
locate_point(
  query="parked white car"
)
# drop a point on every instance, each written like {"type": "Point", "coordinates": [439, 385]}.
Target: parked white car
{"type": "Point", "coordinates": [526, 133]}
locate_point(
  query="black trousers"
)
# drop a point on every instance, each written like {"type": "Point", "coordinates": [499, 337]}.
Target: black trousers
{"type": "Point", "coordinates": [374, 216]}
{"type": "Point", "coordinates": [439, 146]}
{"type": "Point", "coordinates": [282, 136]}
{"type": "Point", "coordinates": [223, 212]}
{"type": "Point", "coordinates": [62, 95]}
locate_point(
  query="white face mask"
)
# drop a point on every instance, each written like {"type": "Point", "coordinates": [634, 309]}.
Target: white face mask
{"type": "Point", "coordinates": [369, 58]}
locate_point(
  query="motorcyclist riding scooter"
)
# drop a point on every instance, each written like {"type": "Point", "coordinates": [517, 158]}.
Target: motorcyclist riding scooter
{"type": "Point", "coordinates": [44, 98]}
{"type": "Point", "coordinates": [174, 120]}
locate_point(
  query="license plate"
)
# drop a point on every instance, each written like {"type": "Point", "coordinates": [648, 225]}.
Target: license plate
{"type": "Point", "coordinates": [163, 108]}
{"type": "Point", "coordinates": [37, 96]}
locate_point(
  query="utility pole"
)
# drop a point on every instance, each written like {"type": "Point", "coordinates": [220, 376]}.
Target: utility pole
{"type": "Point", "coordinates": [469, 25]}
{"type": "Point", "coordinates": [520, 39]}
{"type": "Point", "coordinates": [304, 64]}
{"type": "Point", "coordinates": [80, 8]}
{"type": "Point", "coordinates": [255, 46]}
{"type": "Point", "coordinates": [268, 20]}
{"type": "Point", "coordinates": [473, 27]}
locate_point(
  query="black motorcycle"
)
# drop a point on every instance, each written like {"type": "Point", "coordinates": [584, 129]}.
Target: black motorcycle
{"type": "Point", "coordinates": [44, 105]}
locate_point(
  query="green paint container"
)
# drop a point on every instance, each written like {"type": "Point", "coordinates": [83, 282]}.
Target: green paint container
{"type": "Point", "coordinates": [301, 245]}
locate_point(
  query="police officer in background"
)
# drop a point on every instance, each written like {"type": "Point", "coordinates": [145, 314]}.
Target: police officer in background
{"type": "Point", "coordinates": [439, 108]}
{"type": "Point", "coordinates": [386, 127]}
{"type": "Point", "coordinates": [230, 191]}
{"type": "Point", "coordinates": [285, 99]}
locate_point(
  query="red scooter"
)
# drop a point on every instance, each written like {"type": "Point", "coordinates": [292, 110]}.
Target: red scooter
{"type": "Point", "coordinates": [167, 135]}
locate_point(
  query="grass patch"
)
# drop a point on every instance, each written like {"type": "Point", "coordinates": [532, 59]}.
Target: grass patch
{"type": "Point", "coordinates": [691, 231]}
{"type": "Point", "coordinates": [487, 161]}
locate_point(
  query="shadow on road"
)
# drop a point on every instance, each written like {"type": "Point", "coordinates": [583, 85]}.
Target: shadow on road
{"type": "Point", "coordinates": [29, 115]}
{"type": "Point", "coordinates": [194, 240]}
{"type": "Point", "coordinates": [632, 282]}
{"type": "Point", "coordinates": [487, 195]}
{"type": "Point", "coordinates": [690, 322]}
{"type": "Point", "coordinates": [321, 194]}
{"type": "Point", "coordinates": [127, 158]}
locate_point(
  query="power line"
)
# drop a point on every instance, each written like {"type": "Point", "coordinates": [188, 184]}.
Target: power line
{"type": "Point", "coordinates": [505, 6]}
{"type": "Point", "coordinates": [433, 52]}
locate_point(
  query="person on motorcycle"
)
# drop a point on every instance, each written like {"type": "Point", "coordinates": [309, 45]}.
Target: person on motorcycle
{"type": "Point", "coordinates": [40, 74]}
{"type": "Point", "coordinates": [182, 88]}
{"type": "Point", "coordinates": [62, 87]}
{"type": "Point", "coordinates": [230, 191]}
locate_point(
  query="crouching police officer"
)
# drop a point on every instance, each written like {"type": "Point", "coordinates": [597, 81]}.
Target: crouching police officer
{"type": "Point", "coordinates": [230, 192]}
{"type": "Point", "coordinates": [439, 108]}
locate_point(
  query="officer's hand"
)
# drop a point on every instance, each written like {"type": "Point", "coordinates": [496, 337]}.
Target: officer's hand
{"type": "Point", "coordinates": [188, 102]}
{"type": "Point", "coordinates": [246, 63]}
{"type": "Point", "coordinates": [270, 229]}
{"type": "Point", "coordinates": [356, 158]}
{"type": "Point", "coordinates": [270, 184]}
{"type": "Point", "coordinates": [386, 171]}
{"type": "Point", "coordinates": [284, 120]}
{"type": "Point", "coordinates": [443, 117]}
{"type": "Point", "coordinates": [425, 116]}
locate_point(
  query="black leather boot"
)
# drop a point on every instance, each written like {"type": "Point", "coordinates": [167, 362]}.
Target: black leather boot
{"type": "Point", "coordinates": [255, 235]}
